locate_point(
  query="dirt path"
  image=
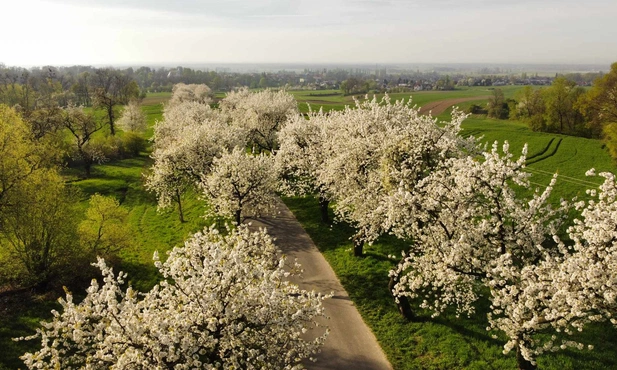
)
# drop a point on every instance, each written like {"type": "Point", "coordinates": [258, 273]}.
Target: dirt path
{"type": "Point", "coordinates": [350, 344]}
{"type": "Point", "coordinates": [438, 107]}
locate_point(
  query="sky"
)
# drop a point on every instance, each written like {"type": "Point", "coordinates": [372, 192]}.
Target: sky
{"type": "Point", "coordinates": [148, 32]}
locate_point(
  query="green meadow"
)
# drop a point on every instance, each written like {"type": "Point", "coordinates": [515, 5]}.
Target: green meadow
{"type": "Point", "coordinates": [334, 100]}
{"type": "Point", "coordinates": [446, 342]}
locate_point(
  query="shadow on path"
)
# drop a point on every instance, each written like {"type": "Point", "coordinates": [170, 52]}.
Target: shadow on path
{"type": "Point", "coordinates": [350, 344]}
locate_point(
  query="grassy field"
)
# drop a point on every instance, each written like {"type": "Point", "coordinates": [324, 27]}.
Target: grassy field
{"type": "Point", "coordinates": [444, 343]}
{"type": "Point", "coordinates": [333, 100]}
{"type": "Point", "coordinates": [568, 156]}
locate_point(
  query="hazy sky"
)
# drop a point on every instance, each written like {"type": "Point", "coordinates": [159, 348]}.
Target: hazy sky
{"type": "Point", "coordinates": [68, 32]}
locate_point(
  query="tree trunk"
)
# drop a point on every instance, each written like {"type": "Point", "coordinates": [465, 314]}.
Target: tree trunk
{"type": "Point", "coordinates": [323, 207]}
{"type": "Point", "coordinates": [179, 201]}
{"type": "Point", "coordinates": [523, 364]}
{"type": "Point", "coordinates": [87, 167]}
{"type": "Point", "coordinates": [358, 246]}
{"type": "Point", "coordinates": [404, 308]}
{"type": "Point", "coordinates": [238, 216]}
{"type": "Point", "coordinates": [110, 113]}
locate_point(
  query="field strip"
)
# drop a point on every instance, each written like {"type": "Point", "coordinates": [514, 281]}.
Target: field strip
{"type": "Point", "coordinates": [440, 106]}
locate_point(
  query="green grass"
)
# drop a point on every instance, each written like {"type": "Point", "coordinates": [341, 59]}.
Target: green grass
{"type": "Point", "coordinates": [153, 99]}
{"type": "Point", "coordinates": [568, 156]}
{"type": "Point", "coordinates": [21, 321]}
{"type": "Point", "coordinates": [334, 100]}
{"type": "Point", "coordinates": [446, 342]}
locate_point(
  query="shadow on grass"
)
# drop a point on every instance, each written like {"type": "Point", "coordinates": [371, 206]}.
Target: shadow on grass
{"type": "Point", "coordinates": [20, 315]}
{"type": "Point", "coordinates": [141, 277]}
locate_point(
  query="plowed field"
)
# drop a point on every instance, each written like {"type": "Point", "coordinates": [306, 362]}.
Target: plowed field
{"type": "Point", "coordinates": [438, 107]}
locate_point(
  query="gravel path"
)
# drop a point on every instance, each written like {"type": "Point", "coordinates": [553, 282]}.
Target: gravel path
{"type": "Point", "coordinates": [350, 344]}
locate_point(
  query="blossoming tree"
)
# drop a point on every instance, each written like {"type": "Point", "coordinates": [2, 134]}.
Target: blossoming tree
{"type": "Point", "coordinates": [372, 149]}
{"type": "Point", "coordinates": [199, 93]}
{"type": "Point", "coordinates": [225, 303]}
{"type": "Point", "coordinates": [241, 185]}
{"type": "Point", "coordinates": [190, 136]}
{"type": "Point", "coordinates": [133, 118]}
{"type": "Point", "coordinates": [474, 232]}
{"type": "Point", "coordinates": [301, 157]}
{"type": "Point", "coordinates": [262, 114]}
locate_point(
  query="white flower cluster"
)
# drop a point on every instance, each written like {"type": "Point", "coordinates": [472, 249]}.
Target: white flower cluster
{"type": "Point", "coordinates": [199, 93]}
{"type": "Point", "coordinates": [188, 139]}
{"type": "Point", "coordinates": [358, 157]}
{"type": "Point", "coordinates": [132, 118]}
{"type": "Point", "coordinates": [241, 185]}
{"type": "Point", "coordinates": [473, 232]}
{"type": "Point", "coordinates": [225, 303]}
{"type": "Point", "coordinates": [193, 139]}
{"type": "Point", "coordinates": [261, 114]}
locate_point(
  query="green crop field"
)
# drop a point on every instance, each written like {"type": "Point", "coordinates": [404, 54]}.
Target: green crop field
{"type": "Point", "coordinates": [443, 343]}
{"type": "Point", "coordinates": [334, 100]}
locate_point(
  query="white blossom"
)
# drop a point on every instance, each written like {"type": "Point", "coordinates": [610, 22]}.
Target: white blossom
{"type": "Point", "coordinates": [261, 114]}
{"type": "Point", "coordinates": [225, 303]}
{"type": "Point", "coordinates": [375, 148]}
{"type": "Point", "coordinates": [241, 185]}
{"type": "Point", "coordinates": [190, 136]}
{"type": "Point", "coordinates": [472, 230]}
{"type": "Point", "coordinates": [132, 118]}
{"type": "Point", "coordinates": [199, 93]}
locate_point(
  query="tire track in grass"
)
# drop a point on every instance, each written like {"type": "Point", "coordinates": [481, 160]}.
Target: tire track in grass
{"type": "Point", "coordinates": [544, 150]}
{"type": "Point", "coordinates": [545, 156]}
{"type": "Point", "coordinates": [572, 180]}
{"type": "Point", "coordinates": [542, 155]}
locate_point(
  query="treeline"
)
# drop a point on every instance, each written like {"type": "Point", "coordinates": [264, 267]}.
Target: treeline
{"type": "Point", "coordinates": [564, 108]}
{"type": "Point", "coordinates": [78, 82]}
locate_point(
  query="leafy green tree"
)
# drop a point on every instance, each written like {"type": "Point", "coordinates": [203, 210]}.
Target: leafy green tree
{"type": "Point", "coordinates": [20, 158]}
{"type": "Point", "coordinates": [600, 109]}
{"type": "Point", "coordinates": [263, 83]}
{"type": "Point", "coordinates": [610, 137]}
{"type": "Point", "coordinates": [531, 107]}
{"type": "Point", "coordinates": [39, 233]}
{"type": "Point", "coordinates": [603, 97]}
{"type": "Point", "coordinates": [104, 230]}
{"type": "Point", "coordinates": [38, 214]}
{"type": "Point", "coordinates": [497, 105]}
{"type": "Point", "coordinates": [353, 85]}
{"type": "Point", "coordinates": [82, 127]}
{"type": "Point", "coordinates": [562, 113]}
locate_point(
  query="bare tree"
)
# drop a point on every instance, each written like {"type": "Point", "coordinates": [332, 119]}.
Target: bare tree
{"type": "Point", "coordinates": [82, 126]}
{"type": "Point", "coordinates": [111, 88]}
